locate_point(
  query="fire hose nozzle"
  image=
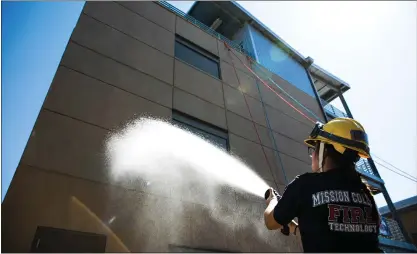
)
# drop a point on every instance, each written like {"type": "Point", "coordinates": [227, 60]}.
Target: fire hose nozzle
{"type": "Point", "coordinates": [267, 193]}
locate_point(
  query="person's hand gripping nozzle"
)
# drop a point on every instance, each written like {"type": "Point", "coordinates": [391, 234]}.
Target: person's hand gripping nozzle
{"type": "Point", "coordinates": [285, 230]}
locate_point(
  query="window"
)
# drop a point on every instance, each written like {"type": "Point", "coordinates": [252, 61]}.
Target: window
{"type": "Point", "coordinates": [197, 57]}
{"type": "Point", "coordinates": [180, 248]}
{"type": "Point", "coordinates": [214, 134]}
{"type": "Point", "coordinates": [57, 240]}
{"type": "Point", "coordinates": [272, 56]}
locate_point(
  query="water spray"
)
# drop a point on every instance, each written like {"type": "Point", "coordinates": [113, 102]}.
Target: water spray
{"type": "Point", "coordinates": [153, 152]}
{"type": "Point", "coordinates": [159, 150]}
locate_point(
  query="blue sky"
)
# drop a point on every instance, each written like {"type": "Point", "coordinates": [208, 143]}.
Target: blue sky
{"type": "Point", "coordinates": [372, 49]}
{"type": "Point", "coordinates": [34, 36]}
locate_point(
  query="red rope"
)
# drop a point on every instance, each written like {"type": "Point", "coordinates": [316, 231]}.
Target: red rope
{"type": "Point", "coordinates": [259, 137]}
{"type": "Point", "coordinates": [270, 88]}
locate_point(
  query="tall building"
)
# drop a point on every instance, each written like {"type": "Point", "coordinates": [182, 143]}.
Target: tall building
{"type": "Point", "coordinates": [216, 71]}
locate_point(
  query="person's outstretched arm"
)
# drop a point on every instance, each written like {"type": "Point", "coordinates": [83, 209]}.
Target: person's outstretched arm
{"type": "Point", "coordinates": [281, 211]}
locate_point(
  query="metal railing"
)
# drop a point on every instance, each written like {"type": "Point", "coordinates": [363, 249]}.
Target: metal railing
{"type": "Point", "coordinates": [394, 230]}
{"type": "Point", "coordinates": [203, 27]}
{"type": "Point", "coordinates": [334, 112]}
{"type": "Point", "coordinates": [363, 166]}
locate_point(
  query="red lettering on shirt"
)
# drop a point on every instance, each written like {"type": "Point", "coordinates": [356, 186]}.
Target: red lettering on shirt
{"type": "Point", "coordinates": [334, 212]}
{"type": "Point", "coordinates": [357, 215]}
{"type": "Point", "coordinates": [369, 219]}
{"type": "Point", "coordinates": [346, 218]}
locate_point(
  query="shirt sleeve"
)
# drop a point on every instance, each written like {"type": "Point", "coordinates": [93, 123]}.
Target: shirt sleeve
{"type": "Point", "coordinates": [288, 206]}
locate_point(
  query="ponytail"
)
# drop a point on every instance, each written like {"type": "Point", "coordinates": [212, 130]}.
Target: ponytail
{"type": "Point", "coordinates": [347, 162]}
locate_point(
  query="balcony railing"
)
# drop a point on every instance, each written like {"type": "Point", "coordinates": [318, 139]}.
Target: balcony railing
{"type": "Point", "coordinates": [362, 166]}
{"type": "Point", "coordinates": [334, 112]}
{"type": "Point", "coordinates": [394, 230]}
{"type": "Point", "coordinates": [203, 27]}
{"type": "Point", "coordinates": [391, 238]}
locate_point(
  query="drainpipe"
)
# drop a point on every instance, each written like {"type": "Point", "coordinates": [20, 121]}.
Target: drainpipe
{"type": "Point", "coordinates": [384, 190]}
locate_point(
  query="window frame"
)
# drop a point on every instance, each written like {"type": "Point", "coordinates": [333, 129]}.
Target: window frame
{"type": "Point", "coordinates": [43, 234]}
{"type": "Point", "coordinates": [183, 248]}
{"type": "Point", "coordinates": [200, 51]}
{"type": "Point", "coordinates": [184, 120]}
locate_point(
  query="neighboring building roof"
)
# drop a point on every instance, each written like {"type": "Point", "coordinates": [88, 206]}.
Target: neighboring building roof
{"type": "Point", "coordinates": [233, 17]}
{"type": "Point", "coordinates": [400, 205]}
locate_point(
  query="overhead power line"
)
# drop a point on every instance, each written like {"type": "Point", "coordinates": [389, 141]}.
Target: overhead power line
{"type": "Point", "coordinates": [414, 180]}
{"type": "Point", "coordinates": [393, 166]}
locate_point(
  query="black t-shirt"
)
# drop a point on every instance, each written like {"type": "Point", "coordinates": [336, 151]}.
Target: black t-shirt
{"type": "Point", "coordinates": [335, 212]}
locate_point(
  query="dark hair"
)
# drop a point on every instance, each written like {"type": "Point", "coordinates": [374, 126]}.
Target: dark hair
{"type": "Point", "coordinates": [346, 160]}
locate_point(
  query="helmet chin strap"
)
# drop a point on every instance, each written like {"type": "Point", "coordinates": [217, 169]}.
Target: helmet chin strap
{"type": "Point", "coordinates": [321, 155]}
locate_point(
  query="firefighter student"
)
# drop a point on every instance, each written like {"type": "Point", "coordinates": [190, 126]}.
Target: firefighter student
{"type": "Point", "coordinates": [336, 211]}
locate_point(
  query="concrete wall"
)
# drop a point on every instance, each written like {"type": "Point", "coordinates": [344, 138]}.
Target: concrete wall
{"type": "Point", "coordinates": [409, 221]}
{"type": "Point", "coordinates": [118, 65]}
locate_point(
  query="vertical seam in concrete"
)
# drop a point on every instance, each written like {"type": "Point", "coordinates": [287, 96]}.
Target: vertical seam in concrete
{"type": "Point", "coordinates": [271, 134]}
{"type": "Point", "coordinates": [173, 71]}
{"type": "Point", "coordinates": [267, 121]}
{"type": "Point", "coordinates": [173, 87]}
{"type": "Point", "coordinates": [224, 97]}
{"type": "Point", "coordinates": [252, 120]}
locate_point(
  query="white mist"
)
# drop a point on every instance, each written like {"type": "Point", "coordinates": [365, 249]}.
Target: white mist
{"type": "Point", "coordinates": [197, 182]}
{"type": "Point", "coordinates": [158, 150]}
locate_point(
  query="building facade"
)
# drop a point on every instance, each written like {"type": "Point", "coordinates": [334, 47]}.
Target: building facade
{"type": "Point", "coordinates": [125, 60]}
{"type": "Point", "coordinates": [407, 210]}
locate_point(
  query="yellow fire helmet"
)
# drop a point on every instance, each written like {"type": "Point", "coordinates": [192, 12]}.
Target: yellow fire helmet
{"type": "Point", "coordinates": [342, 133]}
